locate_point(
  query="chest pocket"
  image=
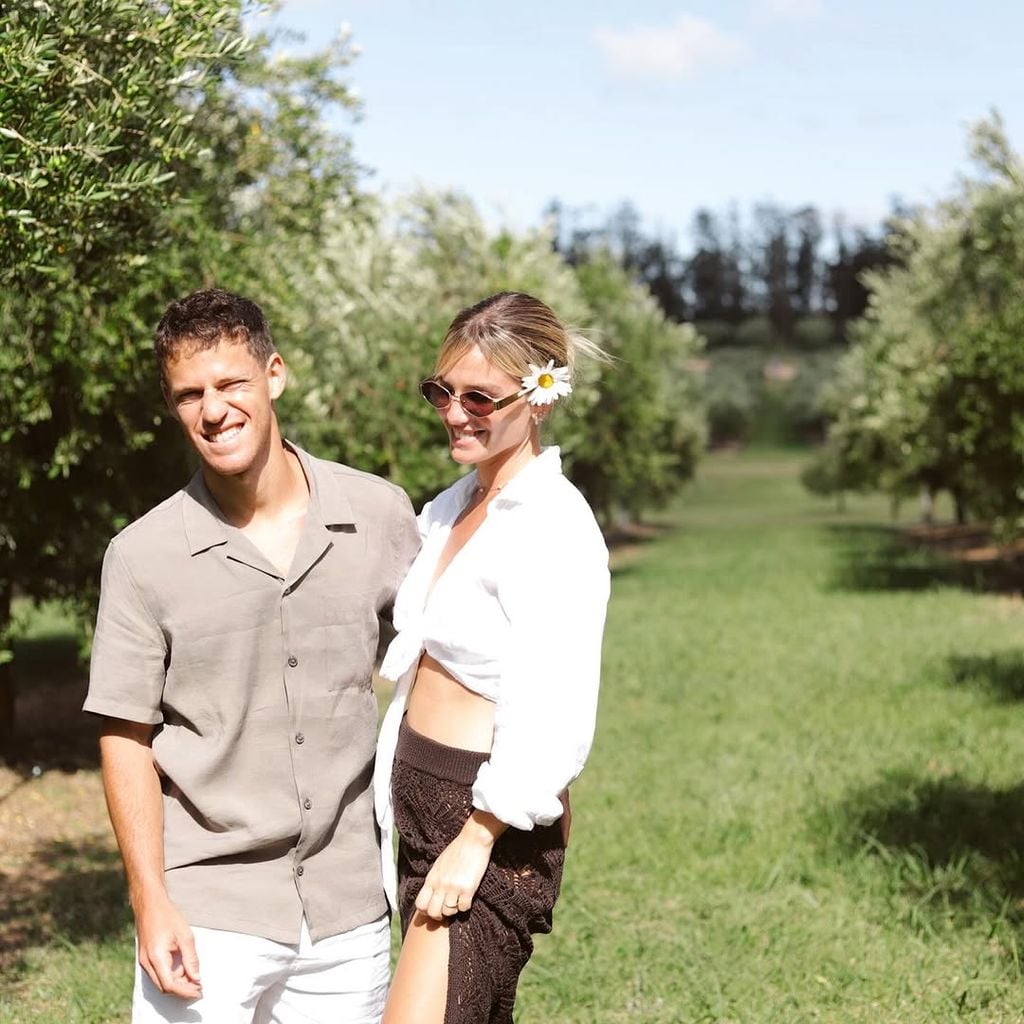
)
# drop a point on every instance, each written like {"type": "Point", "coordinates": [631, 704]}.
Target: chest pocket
{"type": "Point", "coordinates": [347, 636]}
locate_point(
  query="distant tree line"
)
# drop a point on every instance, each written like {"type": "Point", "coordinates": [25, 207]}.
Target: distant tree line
{"type": "Point", "coordinates": [773, 295]}
{"type": "Point", "coordinates": [779, 280]}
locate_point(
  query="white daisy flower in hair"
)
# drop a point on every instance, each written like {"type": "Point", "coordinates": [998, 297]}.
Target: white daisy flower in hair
{"type": "Point", "coordinates": [543, 384]}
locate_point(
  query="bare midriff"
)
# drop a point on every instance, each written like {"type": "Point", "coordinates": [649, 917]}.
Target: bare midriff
{"type": "Point", "coordinates": [442, 709]}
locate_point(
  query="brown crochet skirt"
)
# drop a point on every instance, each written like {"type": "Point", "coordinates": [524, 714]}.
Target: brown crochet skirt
{"type": "Point", "coordinates": [489, 944]}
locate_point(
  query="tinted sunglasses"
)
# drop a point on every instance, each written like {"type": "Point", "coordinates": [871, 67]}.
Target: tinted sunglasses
{"type": "Point", "coordinates": [476, 403]}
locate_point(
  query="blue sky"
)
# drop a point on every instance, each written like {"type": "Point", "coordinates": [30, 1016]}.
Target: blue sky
{"type": "Point", "coordinates": [674, 106]}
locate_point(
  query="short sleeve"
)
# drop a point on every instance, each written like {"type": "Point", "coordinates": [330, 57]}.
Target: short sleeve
{"type": "Point", "coordinates": [554, 591]}
{"type": "Point", "coordinates": [405, 543]}
{"type": "Point", "coordinates": [128, 666]}
{"type": "Point", "coordinates": [408, 538]}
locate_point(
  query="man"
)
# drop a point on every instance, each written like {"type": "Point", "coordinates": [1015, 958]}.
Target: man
{"type": "Point", "coordinates": [234, 646]}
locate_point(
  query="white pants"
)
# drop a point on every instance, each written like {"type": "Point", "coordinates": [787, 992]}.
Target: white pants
{"type": "Point", "coordinates": [252, 980]}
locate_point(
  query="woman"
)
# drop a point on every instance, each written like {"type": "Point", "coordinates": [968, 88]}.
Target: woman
{"type": "Point", "coordinates": [497, 661]}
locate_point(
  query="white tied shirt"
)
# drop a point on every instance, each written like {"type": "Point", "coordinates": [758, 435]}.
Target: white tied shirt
{"type": "Point", "coordinates": [516, 616]}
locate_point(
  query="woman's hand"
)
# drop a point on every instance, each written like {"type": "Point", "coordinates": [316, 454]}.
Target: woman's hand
{"type": "Point", "coordinates": [453, 879]}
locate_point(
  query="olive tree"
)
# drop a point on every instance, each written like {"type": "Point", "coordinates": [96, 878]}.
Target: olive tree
{"type": "Point", "coordinates": [146, 148]}
{"type": "Point", "coordinates": [932, 395]}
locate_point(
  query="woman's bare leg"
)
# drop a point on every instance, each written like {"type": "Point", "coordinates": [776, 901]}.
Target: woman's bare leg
{"type": "Point", "coordinates": [419, 989]}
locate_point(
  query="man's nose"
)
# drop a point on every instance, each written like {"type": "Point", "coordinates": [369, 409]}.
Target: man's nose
{"type": "Point", "coordinates": [214, 406]}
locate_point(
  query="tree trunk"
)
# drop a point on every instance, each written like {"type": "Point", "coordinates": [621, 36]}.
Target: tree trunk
{"type": "Point", "coordinates": [927, 506]}
{"type": "Point", "coordinates": [960, 506]}
{"type": "Point", "coordinates": [6, 679]}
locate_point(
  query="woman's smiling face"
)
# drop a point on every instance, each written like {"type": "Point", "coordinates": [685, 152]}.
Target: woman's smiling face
{"type": "Point", "coordinates": [480, 439]}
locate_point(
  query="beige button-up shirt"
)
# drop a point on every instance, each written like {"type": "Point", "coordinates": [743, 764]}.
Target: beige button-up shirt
{"type": "Point", "coordinates": [260, 690]}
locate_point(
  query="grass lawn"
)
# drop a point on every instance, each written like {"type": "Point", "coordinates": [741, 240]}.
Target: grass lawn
{"type": "Point", "coordinates": [805, 801]}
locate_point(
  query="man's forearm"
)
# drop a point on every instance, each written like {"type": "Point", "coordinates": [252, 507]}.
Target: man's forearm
{"type": "Point", "coordinates": [132, 785]}
{"type": "Point", "coordinates": [135, 803]}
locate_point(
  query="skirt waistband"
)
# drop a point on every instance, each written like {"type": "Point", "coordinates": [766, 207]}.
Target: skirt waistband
{"type": "Point", "coordinates": [443, 762]}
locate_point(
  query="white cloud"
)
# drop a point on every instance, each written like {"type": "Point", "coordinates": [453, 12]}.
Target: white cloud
{"type": "Point", "coordinates": [787, 10]}
{"type": "Point", "coordinates": [317, 5]}
{"type": "Point", "coordinates": [684, 49]}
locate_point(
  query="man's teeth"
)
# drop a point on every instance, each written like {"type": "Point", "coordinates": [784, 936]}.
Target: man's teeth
{"type": "Point", "coordinates": [225, 435]}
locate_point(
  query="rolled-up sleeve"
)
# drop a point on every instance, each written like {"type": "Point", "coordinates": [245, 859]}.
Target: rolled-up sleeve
{"type": "Point", "coordinates": [129, 650]}
{"type": "Point", "coordinates": [554, 590]}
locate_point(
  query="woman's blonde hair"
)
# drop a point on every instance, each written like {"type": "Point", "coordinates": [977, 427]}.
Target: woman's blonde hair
{"type": "Point", "coordinates": [514, 329]}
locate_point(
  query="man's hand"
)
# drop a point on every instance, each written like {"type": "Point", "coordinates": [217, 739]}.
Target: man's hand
{"type": "Point", "coordinates": [167, 951]}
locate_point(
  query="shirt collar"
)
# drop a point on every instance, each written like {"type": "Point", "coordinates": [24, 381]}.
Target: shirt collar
{"type": "Point", "coordinates": [326, 489]}
{"type": "Point", "coordinates": [204, 522]}
{"type": "Point", "coordinates": [204, 525]}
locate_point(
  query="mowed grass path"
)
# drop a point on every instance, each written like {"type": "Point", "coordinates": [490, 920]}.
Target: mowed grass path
{"type": "Point", "coordinates": [806, 797]}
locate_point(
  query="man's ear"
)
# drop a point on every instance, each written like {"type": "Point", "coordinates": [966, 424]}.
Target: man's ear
{"type": "Point", "coordinates": [277, 376]}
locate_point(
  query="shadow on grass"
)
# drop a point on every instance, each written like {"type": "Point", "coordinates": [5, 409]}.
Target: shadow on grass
{"type": "Point", "coordinates": [891, 558]}
{"type": "Point", "coordinates": [69, 893]}
{"type": "Point", "coordinates": [953, 850]}
{"type": "Point", "coordinates": [1000, 675]}
{"type": "Point", "coordinates": [626, 541]}
{"type": "Point", "coordinates": [50, 655]}
{"type": "Point", "coordinates": [51, 730]}
{"type": "Point", "coordinates": [635, 533]}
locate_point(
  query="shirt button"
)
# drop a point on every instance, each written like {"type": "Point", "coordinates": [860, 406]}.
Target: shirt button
{"type": "Point", "coordinates": [299, 738]}
{"type": "Point", "coordinates": [299, 870]}
{"type": "Point", "coordinates": [292, 660]}
{"type": "Point", "coordinates": [307, 803]}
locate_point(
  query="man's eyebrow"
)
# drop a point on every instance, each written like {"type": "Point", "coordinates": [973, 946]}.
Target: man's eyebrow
{"type": "Point", "coordinates": [232, 378]}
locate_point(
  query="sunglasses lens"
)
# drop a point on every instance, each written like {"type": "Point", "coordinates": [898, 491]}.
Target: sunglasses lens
{"type": "Point", "coordinates": [476, 403]}
{"type": "Point", "coordinates": [435, 394]}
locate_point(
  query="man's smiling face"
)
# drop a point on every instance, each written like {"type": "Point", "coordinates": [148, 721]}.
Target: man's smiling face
{"type": "Point", "coordinates": [223, 399]}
